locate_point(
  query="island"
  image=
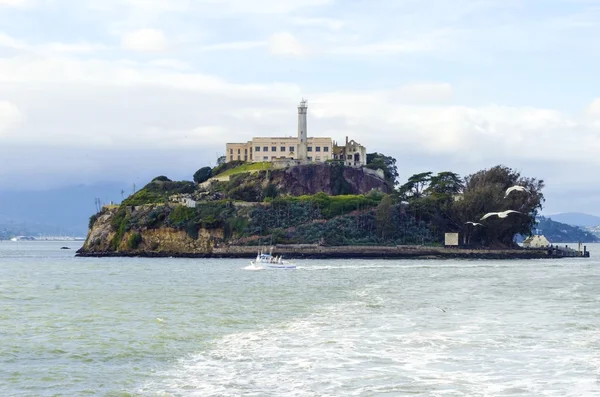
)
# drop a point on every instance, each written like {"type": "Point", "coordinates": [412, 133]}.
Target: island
{"type": "Point", "coordinates": [322, 210]}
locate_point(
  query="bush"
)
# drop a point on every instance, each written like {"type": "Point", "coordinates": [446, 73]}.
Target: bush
{"type": "Point", "coordinates": [203, 174]}
{"type": "Point", "coordinates": [93, 220]}
{"type": "Point", "coordinates": [270, 191]}
{"type": "Point", "coordinates": [134, 241]}
{"type": "Point", "coordinates": [161, 178]}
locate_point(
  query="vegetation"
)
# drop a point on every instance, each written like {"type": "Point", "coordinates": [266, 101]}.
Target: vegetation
{"type": "Point", "coordinates": [158, 191]}
{"type": "Point", "coordinates": [203, 174]}
{"type": "Point", "coordinates": [134, 241]}
{"type": "Point", "coordinates": [419, 211]}
{"type": "Point", "coordinates": [239, 167]}
{"type": "Point", "coordinates": [386, 163]}
{"type": "Point", "coordinates": [93, 220]}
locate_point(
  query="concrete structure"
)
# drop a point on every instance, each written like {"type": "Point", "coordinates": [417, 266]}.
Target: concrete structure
{"type": "Point", "coordinates": [352, 153]}
{"type": "Point", "coordinates": [538, 241]}
{"type": "Point", "coordinates": [300, 149]}
{"type": "Point", "coordinates": [302, 131]}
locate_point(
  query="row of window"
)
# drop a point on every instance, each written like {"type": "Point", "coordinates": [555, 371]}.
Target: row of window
{"type": "Point", "coordinates": [265, 158]}
{"type": "Point", "coordinates": [292, 148]}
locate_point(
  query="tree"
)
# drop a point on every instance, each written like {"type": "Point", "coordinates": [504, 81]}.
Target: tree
{"type": "Point", "coordinates": [203, 174]}
{"type": "Point", "coordinates": [484, 192]}
{"type": "Point", "coordinates": [445, 184]}
{"type": "Point", "coordinates": [386, 163]}
{"type": "Point", "coordinates": [416, 185]}
{"type": "Point", "coordinates": [384, 224]}
{"type": "Point", "coordinates": [221, 160]}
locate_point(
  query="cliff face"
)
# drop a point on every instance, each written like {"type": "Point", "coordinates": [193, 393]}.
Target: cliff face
{"type": "Point", "coordinates": [327, 178]}
{"type": "Point", "coordinates": [133, 235]}
{"type": "Point", "coordinates": [235, 211]}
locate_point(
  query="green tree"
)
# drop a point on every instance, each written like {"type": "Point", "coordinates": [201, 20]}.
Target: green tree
{"type": "Point", "coordinates": [386, 163]}
{"type": "Point", "coordinates": [445, 184]}
{"type": "Point", "coordinates": [416, 185]}
{"type": "Point", "coordinates": [484, 192]}
{"type": "Point", "coordinates": [203, 174]}
{"type": "Point", "coordinates": [384, 224]}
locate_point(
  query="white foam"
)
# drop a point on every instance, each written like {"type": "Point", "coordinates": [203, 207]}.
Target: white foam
{"type": "Point", "coordinates": [380, 341]}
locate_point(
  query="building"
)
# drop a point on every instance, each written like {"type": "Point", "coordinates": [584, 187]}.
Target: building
{"type": "Point", "coordinates": [352, 153]}
{"type": "Point", "coordinates": [273, 148]}
{"type": "Point", "coordinates": [301, 148]}
{"type": "Point", "coordinates": [537, 241]}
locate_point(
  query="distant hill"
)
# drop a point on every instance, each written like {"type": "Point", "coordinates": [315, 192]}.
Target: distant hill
{"type": "Point", "coordinates": [58, 211]}
{"type": "Point", "coordinates": [576, 219]}
{"type": "Point", "coordinates": [557, 232]}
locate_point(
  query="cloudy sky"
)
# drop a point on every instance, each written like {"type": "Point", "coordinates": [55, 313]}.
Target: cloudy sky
{"type": "Point", "coordinates": [122, 90]}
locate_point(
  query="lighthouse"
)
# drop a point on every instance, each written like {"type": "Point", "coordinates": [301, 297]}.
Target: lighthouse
{"type": "Point", "coordinates": [302, 135]}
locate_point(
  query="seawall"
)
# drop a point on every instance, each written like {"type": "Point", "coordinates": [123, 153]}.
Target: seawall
{"type": "Point", "coordinates": [343, 252]}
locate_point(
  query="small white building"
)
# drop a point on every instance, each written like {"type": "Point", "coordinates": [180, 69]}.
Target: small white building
{"type": "Point", "coordinates": [538, 241]}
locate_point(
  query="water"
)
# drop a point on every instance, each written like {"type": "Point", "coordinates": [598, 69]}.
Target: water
{"type": "Point", "coordinates": [190, 327]}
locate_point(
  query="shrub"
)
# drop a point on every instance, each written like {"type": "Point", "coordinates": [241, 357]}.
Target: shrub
{"type": "Point", "coordinates": [134, 241]}
{"type": "Point", "coordinates": [203, 174]}
{"type": "Point", "coordinates": [270, 191]}
{"type": "Point", "coordinates": [93, 220]}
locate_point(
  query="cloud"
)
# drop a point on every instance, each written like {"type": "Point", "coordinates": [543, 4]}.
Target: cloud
{"type": "Point", "coordinates": [423, 93]}
{"type": "Point", "coordinates": [145, 40]}
{"type": "Point", "coordinates": [13, 3]}
{"type": "Point", "coordinates": [10, 116]}
{"type": "Point", "coordinates": [284, 43]}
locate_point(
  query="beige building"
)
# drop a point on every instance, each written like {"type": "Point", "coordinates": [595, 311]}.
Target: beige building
{"type": "Point", "coordinates": [301, 148]}
{"type": "Point", "coordinates": [272, 148]}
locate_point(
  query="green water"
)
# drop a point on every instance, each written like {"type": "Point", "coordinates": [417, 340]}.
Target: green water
{"type": "Point", "coordinates": [176, 327]}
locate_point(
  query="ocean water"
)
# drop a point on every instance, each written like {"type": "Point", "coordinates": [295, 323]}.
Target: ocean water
{"type": "Point", "coordinates": [194, 327]}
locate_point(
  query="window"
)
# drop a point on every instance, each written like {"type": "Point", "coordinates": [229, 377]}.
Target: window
{"type": "Point", "coordinates": [273, 148]}
{"type": "Point", "coordinates": [257, 149]}
{"type": "Point", "coordinates": [318, 158]}
{"type": "Point", "coordinates": [230, 151]}
{"type": "Point", "coordinates": [310, 159]}
{"type": "Point", "coordinates": [265, 148]}
{"type": "Point", "coordinates": [283, 148]}
{"type": "Point", "coordinates": [239, 157]}
{"type": "Point", "coordinates": [325, 148]}
{"type": "Point", "coordinates": [292, 148]}
{"type": "Point", "coordinates": [318, 148]}
{"type": "Point", "coordinates": [265, 158]}
{"type": "Point", "coordinates": [349, 157]}
{"type": "Point", "coordinates": [309, 148]}
{"type": "Point", "coordinates": [231, 158]}
{"type": "Point", "coordinates": [239, 151]}
{"type": "Point", "coordinates": [245, 151]}
{"type": "Point", "coordinates": [245, 157]}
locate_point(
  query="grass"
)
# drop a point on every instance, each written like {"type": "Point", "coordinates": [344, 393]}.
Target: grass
{"type": "Point", "coordinates": [248, 167]}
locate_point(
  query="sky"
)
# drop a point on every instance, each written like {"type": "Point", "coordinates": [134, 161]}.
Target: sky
{"type": "Point", "coordinates": [101, 91]}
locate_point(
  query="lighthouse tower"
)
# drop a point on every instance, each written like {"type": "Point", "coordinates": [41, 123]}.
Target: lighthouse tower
{"type": "Point", "coordinates": [302, 135]}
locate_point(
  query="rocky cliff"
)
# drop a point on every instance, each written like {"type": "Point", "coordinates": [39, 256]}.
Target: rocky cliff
{"type": "Point", "coordinates": [296, 205]}
{"type": "Point", "coordinates": [137, 233]}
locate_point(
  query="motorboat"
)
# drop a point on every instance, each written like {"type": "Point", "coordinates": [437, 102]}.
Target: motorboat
{"type": "Point", "coordinates": [272, 262]}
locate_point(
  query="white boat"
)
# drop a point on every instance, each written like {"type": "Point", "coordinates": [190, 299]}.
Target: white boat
{"type": "Point", "coordinates": [272, 262]}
